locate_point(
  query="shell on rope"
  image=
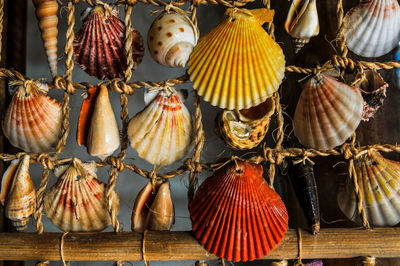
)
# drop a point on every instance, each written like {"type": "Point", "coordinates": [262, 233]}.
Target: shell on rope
{"type": "Point", "coordinates": [379, 184]}
{"type": "Point", "coordinates": [236, 215]}
{"type": "Point", "coordinates": [171, 39]}
{"type": "Point", "coordinates": [372, 28]}
{"type": "Point", "coordinates": [237, 65]}
{"type": "Point", "coordinates": [33, 120]}
{"type": "Point", "coordinates": [327, 113]}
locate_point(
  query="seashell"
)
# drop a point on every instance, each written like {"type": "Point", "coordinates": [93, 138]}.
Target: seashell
{"type": "Point", "coordinates": [235, 215]}
{"type": "Point", "coordinates": [237, 65]}
{"type": "Point", "coordinates": [18, 194]}
{"type": "Point", "coordinates": [327, 113]}
{"type": "Point", "coordinates": [379, 183]}
{"type": "Point", "coordinates": [99, 44]}
{"type": "Point", "coordinates": [171, 39]}
{"type": "Point", "coordinates": [77, 202]}
{"type": "Point", "coordinates": [46, 13]}
{"type": "Point", "coordinates": [372, 28]}
{"type": "Point", "coordinates": [33, 120]}
{"type": "Point", "coordinates": [85, 116]}
{"type": "Point", "coordinates": [141, 208]}
{"type": "Point", "coordinates": [103, 136]}
{"type": "Point", "coordinates": [246, 128]}
{"type": "Point", "coordinates": [162, 133]}
{"type": "Point", "coordinates": [302, 22]}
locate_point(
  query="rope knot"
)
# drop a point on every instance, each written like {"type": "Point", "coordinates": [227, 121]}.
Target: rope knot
{"type": "Point", "coordinates": [196, 2]}
{"type": "Point", "coordinates": [120, 86]}
{"type": "Point", "coordinates": [45, 160]}
{"type": "Point", "coordinates": [116, 163]}
{"type": "Point", "coordinates": [193, 166]}
{"type": "Point", "coordinates": [344, 62]}
{"type": "Point", "coordinates": [268, 156]}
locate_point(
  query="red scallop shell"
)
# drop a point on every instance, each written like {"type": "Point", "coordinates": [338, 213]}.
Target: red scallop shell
{"type": "Point", "coordinates": [236, 215]}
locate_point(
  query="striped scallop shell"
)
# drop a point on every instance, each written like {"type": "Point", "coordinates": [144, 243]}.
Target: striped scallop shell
{"type": "Point", "coordinates": [327, 113]}
{"type": "Point", "coordinates": [237, 65]}
{"type": "Point", "coordinates": [162, 133]}
{"type": "Point", "coordinates": [379, 183]}
{"type": "Point", "coordinates": [236, 215]}
{"type": "Point", "coordinates": [33, 120]}
{"type": "Point", "coordinates": [372, 28]}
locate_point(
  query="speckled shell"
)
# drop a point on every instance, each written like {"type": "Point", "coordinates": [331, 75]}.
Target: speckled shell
{"type": "Point", "coordinates": [246, 128]}
{"type": "Point", "coordinates": [171, 39]}
{"type": "Point", "coordinates": [237, 65]}
{"type": "Point", "coordinates": [162, 133]}
{"type": "Point", "coordinates": [379, 183]}
{"type": "Point", "coordinates": [236, 215]}
{"type": "Point", "coordinates": [33, 120]}
{"type": "Point", "coordinates": [79, 203]}
{"type": "Point", "coordinates": [327, 113]}
{"type": "Point", "coordinates": [99, 44]}
{"type": "Point", "coordinates": [372, 28]}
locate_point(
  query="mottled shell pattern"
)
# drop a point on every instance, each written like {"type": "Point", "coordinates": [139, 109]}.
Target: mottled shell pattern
{"type": "Point", "coordinates": [33, 120]}
{"type": "Point", "coordinates": [246, 128]}
{"type": "Point", "coordinates": [18, 194]}
{"type": "Point", "coordinates": [327, 113]}
{"type": "Point", "coordinates": [379, 183]}
{"type": "Point", "coordinates": [77, 202]}
{"type": "Point", "coordinates": [372, 28]}
{"type": "Point", "coordinates": [171, 39]}
{"type": "Point", "coordinates": [237, 65]}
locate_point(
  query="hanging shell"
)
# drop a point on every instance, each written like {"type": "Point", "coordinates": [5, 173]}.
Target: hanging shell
{"type": "Point", "coordinates": [372, 28]}
{"type": "Point", "coordinates": [85, 116]}
{"type": "Point", "coordinates": [18, 194]}
{"type": "Point", "coordinates": [327, 113]}
{"type": "Point", "coordinates": [162, 133]}
{"type": "Point", "coordinates": [379, 183]}
{"type": "Point", "coordinates": [46, 13]}
{"type": "Point", "coordinates": [236, 216]}
{"type": "Point", "coordinates": [99, 44]}
{"type": "Point", "coordinates": [141, 208]}
{"type": "Point", "coordinates": [77, 202]}
{"type": "Point", "coordinates": [302, 22]}
{"type": "Point", "coordinates": [237, 65]}
{"type": "Point", "coordinates": [33, 120]}
{"type": "Point", "coordinates": [171, 39]}
{"type": "Point", "coordinates": [246, 128]}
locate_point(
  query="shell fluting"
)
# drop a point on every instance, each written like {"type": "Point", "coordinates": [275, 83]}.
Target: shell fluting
{"type": "Point", "coordinates": [235, 214]}
{"type": "Point", "coordinates": [237, 65]}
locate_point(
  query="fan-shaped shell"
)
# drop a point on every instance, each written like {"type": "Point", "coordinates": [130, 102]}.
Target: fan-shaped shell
{"type": "Point", "coordinates": [171, 39]}
{"type": "Point", "coordinates": [372, 28]}
{"type": "Point", "coordinates": [327, 113]}
{"type": "Point", "coordinates": [237, 65]}
{"type": "Point", "coordinates": [33, 120]}
{"type": "Point", "coordinates": [379, 183]}
{"type": "Point", "coordinates": [235, 214]}
{"type": "Point", "coordinates": [99, 44]}
{"type": "Point", "coordinates": [162, 133]}
{"type": "Point", "coordinates": [78, 202]}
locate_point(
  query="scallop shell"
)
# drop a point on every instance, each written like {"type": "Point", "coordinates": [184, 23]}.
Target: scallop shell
{"type": "Point", "coordinates": [236, 216]}
{"type": "Point", "coordinates": [78, 202]}
{"type": "Point", "coordinates": [171, 39]}
{"type": "Point", "coordinates": [246, 128]}
{"type": "Point", "coordinates": [162, 133]}
{"type": "Point", "coordinates": [18, 194]}
{"type": "Point", "coordinates": [99, 44]}
{"type": "Point", "coordinates": [237, 65]}
{"type": "Point", "coordinates": [372, 28]}
{"type": "Point", "coordinates": [379, 183]}
{"type": "Point", "coordinates": [328, 112]}
{"type": "Point", "coordinates": [33, 120]}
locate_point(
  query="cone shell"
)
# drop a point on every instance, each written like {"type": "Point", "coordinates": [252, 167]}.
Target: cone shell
{"type": "Point", "coordinates": [78, 202]}
{"type": "Point", "coordinates": [33, 120]}
{"type": "Point", "coordinates": [99, 44]}
{"type": "Point", "coordinates": [162, 133]}
{"type": "Point", "coordinates": [246, 128]}
{"type": "Point", "coordinates": [85, 116]}
{"type": "Point", "coordinates": [171, 39]}
{"type": "Point", "coordinates": [327, 113]}
{"type": "Point", "coordinates": [161, 213]}
{"type": "Point", "coordinates": [372, 28]}
{"type": "Point", "coordinates": [379, 183]}
{"type": "Point", "coordinates": [237, 65]}
{"type": "Point", "coordinates": [141, 208]}
{"type": "Point", "coordinates": [46, 13]}
{"type": "Point", "coordinates": [236, 216]}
